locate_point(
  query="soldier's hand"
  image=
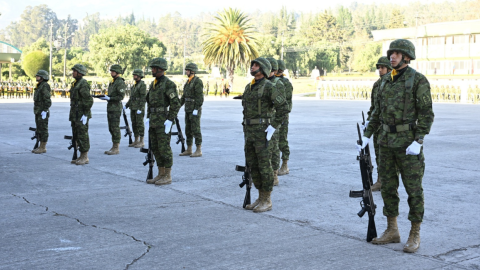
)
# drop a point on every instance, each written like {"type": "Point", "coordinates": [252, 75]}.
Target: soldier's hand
{"type": "Point", "coordinates": [365, 141]}
{"type": "Point", "coordinates": [414, 149]}
{"type": "Point", "coordinates": [44, 115]}
{"type": "Point", "coordinates": [105, 98]}
{"type": "Point", "coordinates": [168, 126]}
{"type": "Point", "coordinates": [195, 112]}
{"type": "Point", "coordinates": [366, 125]}
{"type": "Point", "coordinates": [270, 130]}
{"type": "Point", "coordinates": [124, 107]}
{"type": "Point", "coordinates": [139, 112]}
{"type": "Point", "coordinates": [84, 119]}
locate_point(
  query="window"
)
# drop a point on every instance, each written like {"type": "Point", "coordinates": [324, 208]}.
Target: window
{"type": "Point", "coordinates": [460, 39]}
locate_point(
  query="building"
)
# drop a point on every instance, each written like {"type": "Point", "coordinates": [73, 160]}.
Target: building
{"type": "Point", "coordinates": [448, 48]}
{"type": "Point", "coordinates": [8, 54]}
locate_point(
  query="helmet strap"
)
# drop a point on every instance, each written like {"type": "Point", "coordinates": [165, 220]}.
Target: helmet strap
{"type": "Point", "coordinates": [253, 73]}
{"type": "Point", "coordinates": [400, 64]}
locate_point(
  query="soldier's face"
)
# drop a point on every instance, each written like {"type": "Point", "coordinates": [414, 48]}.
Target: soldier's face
{"type": "Point", "coordinates": [279, 71]}
{"type": "Point", "coordinates": [113, 74]}
{"type": "Point", "coordinates": [254, 67]}
{"type": "Point", "coordinates": [74, 74]}
{"type": "Point", "coordinates": [395, 58]}
{"type": "Point", "coordinates": [136, 77]}
{"type": "Point", "coordinates": [38, 78]}
{"type": "Point", "coordinates": [157, 72]}
{"type": "Point", "coordinates": [188, 72]}
{"type": "Point", "coordinates": [382, 70]}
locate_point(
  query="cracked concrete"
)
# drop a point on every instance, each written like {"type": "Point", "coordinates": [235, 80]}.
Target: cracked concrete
{"type": "Point", "coordinates": [104, 216]}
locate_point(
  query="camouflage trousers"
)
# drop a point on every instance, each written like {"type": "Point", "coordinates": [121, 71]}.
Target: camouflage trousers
{"type": "Point", "coordinates": [394, 160]}
{"type": "Point", "coordinates": [160, 144]}
{"type": "Point", "coordinates": [81, 132]}
{"type": "Point", "coordinates": [114, 125]}
{"type": "Point", "coordinates": [192, 128]}
{"type": "Point", "coordinates": [275, 155]}
{"type": "Point", "coordinates": [283, 140]}
{"type": "Point", "coordinates": [137, 123]}
{"type": "Point", "coordinates": [42, 127]}
{"type": "Point", "coordinates": [258, 157]}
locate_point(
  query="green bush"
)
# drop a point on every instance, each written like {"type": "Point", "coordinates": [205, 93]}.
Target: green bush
{"type": "Point", "coordinates": [35, 61]}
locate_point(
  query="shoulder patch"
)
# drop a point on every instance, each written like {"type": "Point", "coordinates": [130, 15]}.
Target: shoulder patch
{"type": "Point", "coordinates": [172, 95]}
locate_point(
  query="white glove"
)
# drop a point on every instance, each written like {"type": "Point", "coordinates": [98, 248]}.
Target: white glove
{"type": "Point", "coordinates": [44, 115]}
{"type": "Point", "coordinates": [365, 141]}
{"type": "Point", "coordinates": [147, 123]}
{"type": "Point", "coordinates": [195, 112]}
{"type": "Point", "coordinates": [84, 119]}
{"type": "Point", "coordinates": [364, 127]}
{"type": "Point", "coordinates": [124, 107]}
{"type": "Point", "coordinates": [270, 130]}
{"type": "Point", "coordinates": [414, 149]}
{"type": "Point", "coordinates": [139, 112]}
{"type": "Point", "coordinates": [105, 98]}
{"type": "Point", "coordinates": [168, 126]}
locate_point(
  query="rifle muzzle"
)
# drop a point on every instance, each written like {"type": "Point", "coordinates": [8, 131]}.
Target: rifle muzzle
{"type": "Point", "coordinates": [32, 129]}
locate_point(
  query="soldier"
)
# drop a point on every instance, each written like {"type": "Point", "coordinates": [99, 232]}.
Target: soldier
{"type": "Point", "coordinates": [259, 101]}
{"type": "Point", "coordinates": [208, 88]}
{"type": "Point", "coordinates": [384, 67]}
{"type": "Point", "coordinates": [216, 88]}
{"type": "Point", "coordinates": [283, 132]}
{"type": "Point", "coordinates": [81, 103]}
{"type": "Point", "coordinates": [116, 93]}
{"type": "Point", "coordinates": [193, 99]}
{"type": "Point", "coordinates": [136, 103]}
{"type": "Point", "coordinates": [41, 104]}
{"type": "Point", "coordinates": [403, 112]}
{"type": "Point", "coordinates": [163, 105]}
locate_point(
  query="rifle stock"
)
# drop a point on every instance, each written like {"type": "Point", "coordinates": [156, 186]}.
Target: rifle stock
{"type": "Point", "coordinates": [73, 144]}
{"type": "Point", "coordinates": [180, 138]}
{"type": "Point", "coordinates": [35, 136]}
{"type": "Point", "coordinates": [149, 159]}
{"type": "Point", "coordinates": [128, 131]}
{"type": "Point", "coordinates": [246, 181]}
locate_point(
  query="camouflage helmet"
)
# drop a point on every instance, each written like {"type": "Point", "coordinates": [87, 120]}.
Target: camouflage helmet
{"type": "Point", "coordinates": [42, 74]}
{"type": "Point", "coordinates": [404, 46]}
{"type": "Point", "coordinates": [80, 69]}
{"type": "Point", "coordinates": [264, 64]}
{"type": "Point", "coordinates": [159, 63]}
{"type": "Point", "coordinates": [192, 67]}
{"type": "Point", "coordinates": [383, 61]}
{"type": "Point", "coordinates": [281, 65]}
{"type": "Point", "coordinates": [116, 68]}
{"type": "Point", "coordinates": [273, 63]}
{"type": "Point", "coordinates": [138, 72]}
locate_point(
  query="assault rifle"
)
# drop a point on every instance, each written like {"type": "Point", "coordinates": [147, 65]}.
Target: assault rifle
{"type": "Point", "coordinates": [149, 159]}
{"type": "Point", "coordinates": [35, 136]}
{"type": "Point", "coordinates": [238, 97]}
{"type": "Point", "coordinates": [180, 138]}
{"type": "Point", "coordinates": [128, 131]}
{"type": "Point", "coordinates": [367, 153]}
{"type": "Point", "coordinates": [73, 144]}
{"type": "Point", "coordinates": [98, 96]}
{"type": "Point", "coordinates": [367, 203]}
{"type": "Point", "coordinates": [246, 181]}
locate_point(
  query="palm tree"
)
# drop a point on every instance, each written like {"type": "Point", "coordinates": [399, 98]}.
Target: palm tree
{"type": "Point", "coordinates": [230, 41]}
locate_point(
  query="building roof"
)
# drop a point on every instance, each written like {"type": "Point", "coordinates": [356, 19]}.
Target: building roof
{"type": "Point", "coordinates": [430, 30]}
{"type": "Point", "coordinates": [9, 52]}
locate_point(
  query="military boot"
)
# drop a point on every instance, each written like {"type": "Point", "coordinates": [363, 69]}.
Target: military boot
{"type": "Point", "coordinates": [166, 179]}
{"type": "Point", "coordinates": [106, 152]}
{"type": "Point", "coordinates": [140, 143]}
{"type": "Point", "coordinates": [161, 173]}
{"type": "Point", "coordinates": [265, 203]}
{"type": "Point", "coordinates": [390, 235]}
{"type": "Point", "coordinates": [41, 149]}
{"type": "Point", "coordinates": [83, 159]}
{"type": "Point", "coordinates": [275, 177]}
{"type": "Point", "coordinates": [187, 152]}
{"type": "Point", "coordinates": [134, 143]}
{"type": "Point", "coordinates": [115, 150]}
{"type": "Point", "coordinates": [413, 242]}
{"type": "Point", "coordinates": [255, 203]}
{"type": "Point", "coordinates": [198, 151]}
{"type": "Point", "coordinates": [378, 185]}
{"type": "Point", "coordinates": [284, 169]}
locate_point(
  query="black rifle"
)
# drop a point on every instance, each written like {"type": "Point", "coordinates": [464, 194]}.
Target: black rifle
{"type": "Point", "coordinates": [35, 137]}
{"type": "Point", "coordinates": [367, 203]}
{"type": "Point", "coordinates": [238, 97]}
{"type": "Point", "coordinates": [246, 180]}
{"type": "Point", "coordinates": [367, 153]}
{"type": "Point", "coordinates": [128, 131]}
{"type": "Point", "coordinates": [73, 144]}
{"type": "Point", "coordinates": [98, 96]}
{"type": "Point", "coordinates": [180, 138]}
{"type": "Point", "coordinates": [149, 159]}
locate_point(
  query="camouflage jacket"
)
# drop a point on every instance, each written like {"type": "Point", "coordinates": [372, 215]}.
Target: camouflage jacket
{"type": "Point", "coordinates": [81, 100]}
{"type": "Point", "coordinates": [288, 91]}
{"type": "Point", "coordinates": [373, 95]}
{"type": "Point", "coordinates": [162, 102]}
{"type": "Point", "coordinates": [280, 87]}
{"type": "Point", "coordinates": [390, 110]}
{"type": "Point", "coordinates": [41, 98]}
{"type": "Point", "coordinates": [116, 92]}
{"type": "Point", "coordinates": [192, 95]}
{"type": "Point", "coordinates": [137, 97]}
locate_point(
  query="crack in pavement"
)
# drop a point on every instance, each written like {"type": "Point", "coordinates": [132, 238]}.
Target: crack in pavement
{"type": "Point", "coordinates": [451, 252]}
{"type": "Point", "coordinates": [147, 245]}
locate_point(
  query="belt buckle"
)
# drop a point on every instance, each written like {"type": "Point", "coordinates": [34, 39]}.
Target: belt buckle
{"type": "Point", "coordinates": [393, 129]}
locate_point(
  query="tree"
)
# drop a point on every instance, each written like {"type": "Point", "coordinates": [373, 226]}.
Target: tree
{"type": "Point", "coordinates": [35, 61]}
{"type": "Point", "coordinates": [230, 41]}
{"type": "Point", "coordinates": [396, 19]}
{"type": "Point", "coordinates": [367, 57]}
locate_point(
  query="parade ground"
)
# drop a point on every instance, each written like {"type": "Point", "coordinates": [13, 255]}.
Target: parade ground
{"type": "Point", "coordinates": [56, 215]}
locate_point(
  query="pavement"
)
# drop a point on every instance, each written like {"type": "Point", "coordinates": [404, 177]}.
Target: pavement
{"type": "Point", "coordinates": [103, 215]}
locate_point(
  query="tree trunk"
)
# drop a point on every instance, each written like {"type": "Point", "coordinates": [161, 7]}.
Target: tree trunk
{"type": "Point", "coordinates": [231, 73]}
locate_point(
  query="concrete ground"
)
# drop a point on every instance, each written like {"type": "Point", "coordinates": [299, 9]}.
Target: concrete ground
{"type": "Point", "coordinates": [55, 215]}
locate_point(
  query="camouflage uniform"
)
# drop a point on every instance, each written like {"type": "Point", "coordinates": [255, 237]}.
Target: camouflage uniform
{"type": "Point", "coordinates": [283, 133]}
{"type": "Point", "coordinates": [116, 92]}
{"type": "Point", "coordinates": [41, 103]}
{"type": "Point", "coordinates": [193, 99]}
{"type": "Point", "coordinates": [137, 102]}
{"type": "Point", "coordinates": [81, 103]}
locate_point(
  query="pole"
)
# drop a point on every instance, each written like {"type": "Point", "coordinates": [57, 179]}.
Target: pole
{"type": "Point", "coordinates": [65, 54]}
{"type": "Point", "coordinates": [281, 56]}
{"type": "Point", "coordinates": [51, 37]}
{"type": "Point", "coordinates": [416, 35]}
{"type": "Point", "coordinates": [184, 47]}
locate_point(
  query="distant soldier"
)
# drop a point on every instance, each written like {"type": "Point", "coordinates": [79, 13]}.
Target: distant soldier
{"type": "Point", "coordinates": [193, 99]}
{"type": "Point", "coordinates": [81, 103]}
{"type": "Point", "coordinates": [41, 105]}
{"type": "Point", "coordinates": [208, 88]}
{"type": "Point", "coordinates": [283, 132]}
{"type": "Point", "coordinates": [216, 88]}
{"type": "Point", "coordinates": [136, 103]}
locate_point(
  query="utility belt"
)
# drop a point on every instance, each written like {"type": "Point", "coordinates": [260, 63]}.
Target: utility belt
{"type": "Point", "coordinates": [258, 121]}
{"type": "Point", "coordinates": [134, 98]}
{"type": "Point", "coordinates": [158, 109]}
{"type": "Point", "coordinates": [189, 100]}
{"type": "Point", "coordinates": [399, 128]}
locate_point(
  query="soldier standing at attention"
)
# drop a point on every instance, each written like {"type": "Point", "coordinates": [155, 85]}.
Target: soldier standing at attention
{"type": "Point", "coordinates": [283, 132]}
{"type": "Point", "coordinates": [41, 104]}
{"type": "Point", "coordinates": [260, 100]}
{"type": "Point", "coordinates": [136, 103]}
{"type": "Point", "coordinates": [116, 93]}
{"type": "Point", "coordinates": [384, 67]}
{"type": "Point", "coordinates": [163, 105]}
{"type": "Point", "coordinates": [403, 112]}
{"type": "Point", "coordinates": [216, 88]}
{"type": "Point", "coordinates": [208, 88]}
{"type": "Point", "coordinates": [193, 99]}
{"type": "Point", "coordinates": [81, 103]}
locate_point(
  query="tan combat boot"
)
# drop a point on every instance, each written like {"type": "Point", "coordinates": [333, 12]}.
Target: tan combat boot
{"type": "Point", "coordinates": [41, 149]}
{"type": "Point", "coordinates": [284, 169]}
{"type": "Point", "coordinates": [83, 159]}
{"type": "Point", "coordinates": [187, 152]}
{"type": "Point", "coordinates": [166, 179]}
{"type": "Point", "coordinates": [413, 242]}
{"type": "Point", "coordinates": [198, 151]}
{"type": "Point", "coordinates": [106, 152]}
{"type": "Point", "coordinates": [275, 177]}
{"type": "Point", "coordinates": [161, 173]}
{"type": "Point", "coordinates": [115, 150]}
{"type": "Point", "coordinates": [377, 186]}
{"type": "Point", "coordinates": [265, 203]}
{"type": "Point", "coordinates": [140, 143]}
{"type": "Point", "coordinates": [134, 143]}
{"type": "Point", "coordinates": [390, 235]}
{"type": "Point", "coordinates": [255, 203]}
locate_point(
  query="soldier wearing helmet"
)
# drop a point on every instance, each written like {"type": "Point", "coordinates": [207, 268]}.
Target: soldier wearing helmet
{"type": "Point", "coordinates": [403, 113]}
{"type": "Point", "coordinates": [283, 132]}
{"type": "Point", "coordinates": [193, 99]}
{"type": "Point", "coordinates": [264, 110]}
{"type": "Point", "coordinates": [136, 103]}
{"type": "Point", "coordinates": [41, 106]}
{"type": "Point", "coordinates": [81, 103]}
{"type": "Point", "coordinates": [163, 105]}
